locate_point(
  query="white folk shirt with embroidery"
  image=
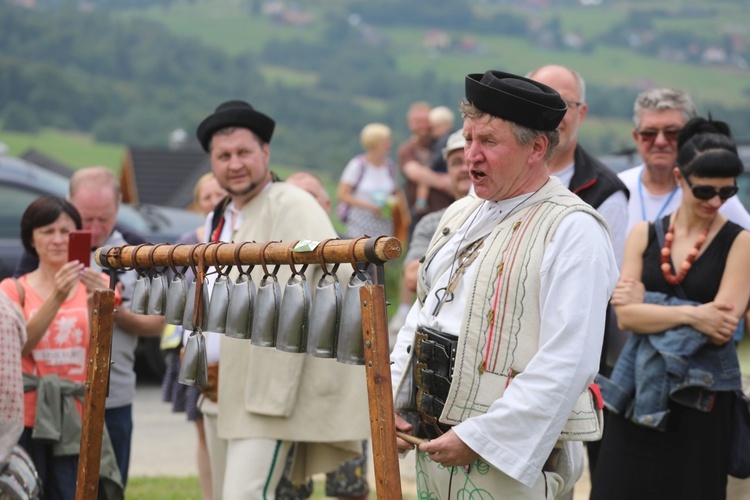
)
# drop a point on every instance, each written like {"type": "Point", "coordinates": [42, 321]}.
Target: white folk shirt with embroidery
{"type": "Point", "coordinates": [232, 221]}
{"type": "Point", "coordinates": [514, 436]}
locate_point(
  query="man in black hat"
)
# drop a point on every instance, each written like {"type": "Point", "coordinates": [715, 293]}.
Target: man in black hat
{"type": "Point", "coordinates": [494, 363]}
{"type": "Point", "coordinates": [270, 402]}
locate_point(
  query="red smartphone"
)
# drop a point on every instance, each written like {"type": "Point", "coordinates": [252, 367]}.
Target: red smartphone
{"type": "Point", "coordinates": [79, 246]}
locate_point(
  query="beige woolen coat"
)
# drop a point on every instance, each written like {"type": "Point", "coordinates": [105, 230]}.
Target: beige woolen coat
{"type": "Point", "coordinates": [263, 392]}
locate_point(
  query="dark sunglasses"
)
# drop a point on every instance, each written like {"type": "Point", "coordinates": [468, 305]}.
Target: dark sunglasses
{"type": "Point", "coordinates": [651, 135]}
{"type": "Point", "coordinates": [706, 193]}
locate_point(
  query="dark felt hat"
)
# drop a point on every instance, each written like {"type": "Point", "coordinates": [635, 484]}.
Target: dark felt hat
{"type": "Point", "coordinates": [235, 114]}
{"type": "Point", "coordinates": [516, 99]}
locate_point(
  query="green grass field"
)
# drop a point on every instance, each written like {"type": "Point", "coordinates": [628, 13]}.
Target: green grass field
{"type": "Point", "coordinates": [73, 149]}
{"type": "Point", "coordinates": [187, 488]}
{"type": "Point", "coordinates": [226, 24]}
{"type": "Point", "coordinates": [163, 488]}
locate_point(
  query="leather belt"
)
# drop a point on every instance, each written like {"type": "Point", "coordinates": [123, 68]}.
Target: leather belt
{"type": "Point", "coordinates": [433, 370]}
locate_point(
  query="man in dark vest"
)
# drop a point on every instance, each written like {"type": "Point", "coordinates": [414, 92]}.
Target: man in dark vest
{"type": "Point", "coordinates": [595, 183]}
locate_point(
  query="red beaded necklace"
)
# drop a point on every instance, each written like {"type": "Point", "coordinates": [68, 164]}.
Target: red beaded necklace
{"type": "Point", "coordinates": [666, 253]}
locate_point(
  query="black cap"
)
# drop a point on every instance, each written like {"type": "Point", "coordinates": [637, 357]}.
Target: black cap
{"type": "Point", "coordinates": [235, 114]}
{"type": "Point", "coordinates": [516, 99]}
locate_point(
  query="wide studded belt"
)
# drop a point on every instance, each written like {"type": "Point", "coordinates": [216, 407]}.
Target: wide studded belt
{"type": "Point", "coordinates": [435, 355]}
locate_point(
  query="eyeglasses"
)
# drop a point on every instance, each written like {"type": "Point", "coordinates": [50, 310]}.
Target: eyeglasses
{"type": "Point", "coordinates": [650, 135]}
{"type": "Point", "coordinates": [706, 193]}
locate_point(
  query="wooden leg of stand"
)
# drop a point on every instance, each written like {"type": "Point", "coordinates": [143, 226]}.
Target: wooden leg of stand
{"type": "Point", "coordinates": [380, 393]}
{"type": "Point", "coordinates": [100, 343]}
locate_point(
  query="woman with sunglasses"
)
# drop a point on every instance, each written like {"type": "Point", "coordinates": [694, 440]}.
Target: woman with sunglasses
{"type": "Point", "coordinates": [671, 393]}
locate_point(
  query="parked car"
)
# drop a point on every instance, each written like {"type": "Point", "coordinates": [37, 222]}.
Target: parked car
{"type": "Point", "coordinates": [22, 182]}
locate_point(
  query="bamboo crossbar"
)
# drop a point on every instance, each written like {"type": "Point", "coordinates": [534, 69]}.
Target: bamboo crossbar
{"type": "Point", "coordinates": [383, 249]}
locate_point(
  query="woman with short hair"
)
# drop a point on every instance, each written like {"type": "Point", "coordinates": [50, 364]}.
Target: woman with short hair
{"type": "Point", "coordinates": [368, 184]}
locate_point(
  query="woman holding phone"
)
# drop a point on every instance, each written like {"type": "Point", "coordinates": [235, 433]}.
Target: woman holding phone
{"type": "Point", "coordinates": [56, 304]}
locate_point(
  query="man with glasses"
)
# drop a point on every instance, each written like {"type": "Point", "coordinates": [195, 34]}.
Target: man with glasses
{"type": "Point", "coordinates": [658, 117]}
{"type": "Point", "coordinates": [595, 184]}
{"type": "Point", "coordinates": [583, 174]}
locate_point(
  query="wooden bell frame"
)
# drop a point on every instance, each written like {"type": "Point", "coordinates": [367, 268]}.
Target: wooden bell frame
{"type": "Point", "coordinates": [375, 251]}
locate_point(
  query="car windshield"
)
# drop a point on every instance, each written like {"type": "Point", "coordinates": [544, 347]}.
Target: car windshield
{"type": "Point", "coordinates": [19, 186]}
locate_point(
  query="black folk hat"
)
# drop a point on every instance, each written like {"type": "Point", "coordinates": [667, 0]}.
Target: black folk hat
{"type": "Point", "coordinates": [235, 114]}
{"type": "Point", "coordinates": [516, 99]}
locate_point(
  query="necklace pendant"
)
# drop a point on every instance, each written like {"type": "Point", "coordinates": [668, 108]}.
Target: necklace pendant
{"type": "Point", "coordinates": [666, 252]}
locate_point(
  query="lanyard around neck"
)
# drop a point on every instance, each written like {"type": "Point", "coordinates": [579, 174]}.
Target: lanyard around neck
{"type": "Point", "coordinates": [643, 204]}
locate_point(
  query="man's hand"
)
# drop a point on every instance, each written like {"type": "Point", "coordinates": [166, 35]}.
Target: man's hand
{"type": "Point", "coordinates": [403, 426]}
{"type": "Point", "coordinates": [449, 451]}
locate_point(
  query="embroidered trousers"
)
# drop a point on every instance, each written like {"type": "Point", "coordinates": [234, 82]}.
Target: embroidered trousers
{"type": "Point", "coordinates": [482, 482]}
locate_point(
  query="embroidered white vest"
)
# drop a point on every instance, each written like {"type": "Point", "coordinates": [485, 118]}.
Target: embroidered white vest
{"type": "Point", "coordinates": [501, 320]}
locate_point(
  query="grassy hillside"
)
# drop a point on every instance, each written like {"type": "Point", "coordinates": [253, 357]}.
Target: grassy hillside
{"type": "Point", "coordinates": [334, 111]}
{"type": "Point", "coordinates": [79, 150]}
{"type": "Point", "coordinates": [603, 66]}
{"type": "Point", "coordinates": [75, 150]}
{"type": "Point", "coordinates": [229, 25]}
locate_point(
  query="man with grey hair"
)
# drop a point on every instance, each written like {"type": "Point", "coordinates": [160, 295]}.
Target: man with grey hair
{"type": "Point", "coordinates": [586, 176]}
{"type": "Point", "coordinates": [658, 117]}
{"type": "Point", "coordinates": [504, 339]}
{"type": "Point", "coordinates": [594, 182]}
{"type": "Point", "coordinates": [95, 192]}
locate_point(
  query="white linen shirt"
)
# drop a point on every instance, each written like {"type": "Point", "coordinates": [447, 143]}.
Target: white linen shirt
{"type": "Point", "coordinates": [578, 275]}
{"type": "Point", "coordinates": [614, 210]}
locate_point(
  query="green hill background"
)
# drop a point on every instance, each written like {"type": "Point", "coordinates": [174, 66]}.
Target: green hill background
{"type": "Point", "coordinates": [131, 72]}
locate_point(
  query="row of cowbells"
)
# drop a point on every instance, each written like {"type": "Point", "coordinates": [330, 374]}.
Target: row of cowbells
{"type": "Point", "coordinates": [326, 326]}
